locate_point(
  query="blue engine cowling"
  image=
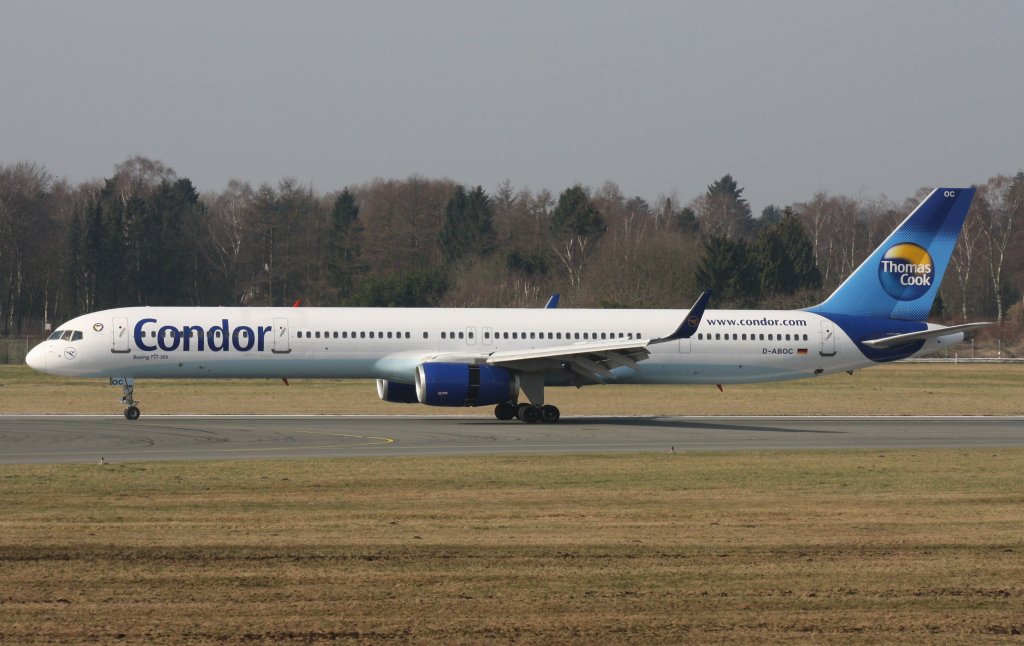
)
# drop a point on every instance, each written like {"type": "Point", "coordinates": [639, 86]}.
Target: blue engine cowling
{"type": "Point", "coordinates": [392, 391]}
{"type": "Point", "coordinates": [462, 384]}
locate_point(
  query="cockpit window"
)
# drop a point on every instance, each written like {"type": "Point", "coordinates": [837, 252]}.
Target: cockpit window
{"type": "Point", "coordinates": [55, 336]}
{"type": "Point", "coordinates": [66, 336]}
{"type": "Point", "coordinates": [76, 336]}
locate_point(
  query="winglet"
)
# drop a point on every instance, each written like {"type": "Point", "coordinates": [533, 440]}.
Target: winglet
{"type": "Point", "coordinates": [552, 302]}
{"type": "Point", "coordinates": [690, 322]}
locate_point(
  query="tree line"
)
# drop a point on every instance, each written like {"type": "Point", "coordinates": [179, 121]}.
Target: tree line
{"type": "Point", "coordinates": [146, 236]}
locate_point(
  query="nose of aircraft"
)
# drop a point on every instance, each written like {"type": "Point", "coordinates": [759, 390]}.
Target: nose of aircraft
{"type": "Point", "coordinates": [36, 358]}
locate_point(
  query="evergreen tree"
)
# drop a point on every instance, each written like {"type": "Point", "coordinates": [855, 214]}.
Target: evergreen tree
{"type": "Point", "coordinates": [770, 214]}
{"type": "Point", "coordinates": [725, 211]}
{"type": "Point", "coordinates": [344, 243]}
{"type": "Point", "coordinates": [785, 257]}
{"type": "Point", "coordinates": [729, 268]}
{"type": "Point", "coordinates": [468, 224]}
{"type": "Point", "coordinates": [576, 213]}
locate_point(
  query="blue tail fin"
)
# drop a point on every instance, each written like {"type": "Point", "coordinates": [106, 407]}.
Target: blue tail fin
{"type": "Point", "coordinates": [900, 279]}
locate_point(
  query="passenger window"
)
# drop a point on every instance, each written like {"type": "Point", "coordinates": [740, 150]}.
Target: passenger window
{"type": "Point", "coordinates": [604, 335]}
{"type": "Point", "coordinates": [787, 337]}
{"type": "Point", "coordinates": [533, 335]}
{"type": "Point", "coordinates": [425, 335]}
{"type": "Point", "coordinates": [744, 337]}
{"type": "Point", "coordinates": [471, 335]}
{"type": "Point", "coordinates": [718, 336]}
{"type": "Point", "coordinates": [462, 335]}
{"type": "Point", "coordinates": [443, 335]}
{"type": "Point", "coordinates": [362, 335]}
{"type": "Point", "coordinates": [805, 337]}
{"type": "Point", "coordinates": [318, 334]}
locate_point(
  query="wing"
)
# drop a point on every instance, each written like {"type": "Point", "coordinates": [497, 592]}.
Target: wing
{"type": "Point", "coordinates": [594, 360]}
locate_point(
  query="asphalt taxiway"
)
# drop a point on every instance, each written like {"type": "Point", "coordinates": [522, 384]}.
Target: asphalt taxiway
{"type": "Point", "coordinates": [56, 439]}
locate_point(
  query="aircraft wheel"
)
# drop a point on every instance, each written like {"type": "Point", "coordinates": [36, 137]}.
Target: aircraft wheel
{"type": "Point", "coordinates": [528, 413]}
{"type": "Point", "coordinates": [132, 412]}
{"type": "Point", "coordinates": [549, 414]}
{"type": "Point", "coordinates": [505, 411]}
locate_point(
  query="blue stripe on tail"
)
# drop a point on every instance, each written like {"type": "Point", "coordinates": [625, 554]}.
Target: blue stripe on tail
{"type": "Point", "coordinates": [900, 279]}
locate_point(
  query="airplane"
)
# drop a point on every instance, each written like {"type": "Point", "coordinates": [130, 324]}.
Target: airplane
{"type": "Point", "coordinates": [461, 357]}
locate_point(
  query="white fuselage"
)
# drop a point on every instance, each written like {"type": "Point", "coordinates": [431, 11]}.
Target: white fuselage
{"type": "Point", "coordinates": [730, 346]}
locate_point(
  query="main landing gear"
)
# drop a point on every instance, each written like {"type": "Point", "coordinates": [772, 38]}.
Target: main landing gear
{"type": "Point", "coordinates": [131, 411]}
{"type": "Point", "coordinates": [536, 411]}
{"type": "Point", "coordinates": [528, 413]}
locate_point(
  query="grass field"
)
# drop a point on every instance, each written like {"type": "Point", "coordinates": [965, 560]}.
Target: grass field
{"type": "Point", "coordinates": [809, 547]}
{"type": "Point", "coordinates": [918, 546]}
{"type": "Point", "coordinates": [897, 389]}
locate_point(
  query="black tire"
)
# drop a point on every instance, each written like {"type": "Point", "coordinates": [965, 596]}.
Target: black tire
{"type": "Point", "coordinates": [549, 414]}
{"type": "Point", "coordinates": [528, 413]}
{"type": "Point", "coordinates": [132, 413]}
{"type": "Point", "coordinates": [505, 411]}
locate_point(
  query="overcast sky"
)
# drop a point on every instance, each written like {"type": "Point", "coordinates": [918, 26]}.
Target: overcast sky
{"type": "Point", "coordinates": [859, 98]}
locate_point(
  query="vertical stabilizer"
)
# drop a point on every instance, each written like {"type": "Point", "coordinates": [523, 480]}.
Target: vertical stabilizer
{"type": "Point", "coordinates": [900, 279]}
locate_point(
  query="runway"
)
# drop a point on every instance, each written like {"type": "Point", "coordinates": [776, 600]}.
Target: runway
{"type": "Point", "coordinates": [70, 439]}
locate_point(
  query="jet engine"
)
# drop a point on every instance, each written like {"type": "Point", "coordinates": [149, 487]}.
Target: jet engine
{"type": "Point", "coordinates": [392, 391]}
{"type": "Point", "coordinates": [461, 384]}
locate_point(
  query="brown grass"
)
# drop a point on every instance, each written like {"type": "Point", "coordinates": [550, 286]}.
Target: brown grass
{"type": "Point", "coordinates": [898, 389]}
{"type": "Point", "coordinates": [809, 547]}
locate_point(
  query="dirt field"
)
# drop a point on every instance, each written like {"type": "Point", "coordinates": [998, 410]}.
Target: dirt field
{"type": "Point", "coordinates": [898, 389]}
{"type": "Point", "coordinates": [839, 547]}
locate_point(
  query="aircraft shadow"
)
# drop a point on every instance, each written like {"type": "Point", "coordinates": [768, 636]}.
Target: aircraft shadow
{"type": "Point", "coordinates": [670, 423]}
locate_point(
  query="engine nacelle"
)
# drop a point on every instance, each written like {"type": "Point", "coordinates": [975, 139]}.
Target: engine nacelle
{"type": "Point", "coordinates": [392, 391]}
{"type": "Point", "coordinates": [462, 384]}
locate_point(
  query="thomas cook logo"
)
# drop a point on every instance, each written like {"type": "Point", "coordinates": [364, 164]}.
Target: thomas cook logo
{"type": "Point", "coordinates": [906, 271]}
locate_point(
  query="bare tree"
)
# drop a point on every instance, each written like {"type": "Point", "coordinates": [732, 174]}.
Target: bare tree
{"type": "Point", "coordinates": [1000, 208]}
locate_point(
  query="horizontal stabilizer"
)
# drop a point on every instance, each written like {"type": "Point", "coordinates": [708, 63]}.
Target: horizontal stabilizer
{"type": "Point", "coordinates": [900, 339]}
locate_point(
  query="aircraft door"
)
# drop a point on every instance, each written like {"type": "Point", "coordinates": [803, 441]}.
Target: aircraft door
{"type": "Point", "coordinates": [282, 338]}
{"type": "Point", "coordinates": [471, 336]}
{"type": "Point", "coordinates": [487, 336]}
{"type": "Point", "coordinates": [121, 335]}
{"type": "Point", "coordinates": [684, 346]}
{"type": "Point", "coordinates": [828, 338]}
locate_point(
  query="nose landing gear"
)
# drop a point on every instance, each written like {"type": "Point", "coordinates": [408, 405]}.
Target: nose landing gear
{"type": "Point", "coordinates": [131, 410]}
